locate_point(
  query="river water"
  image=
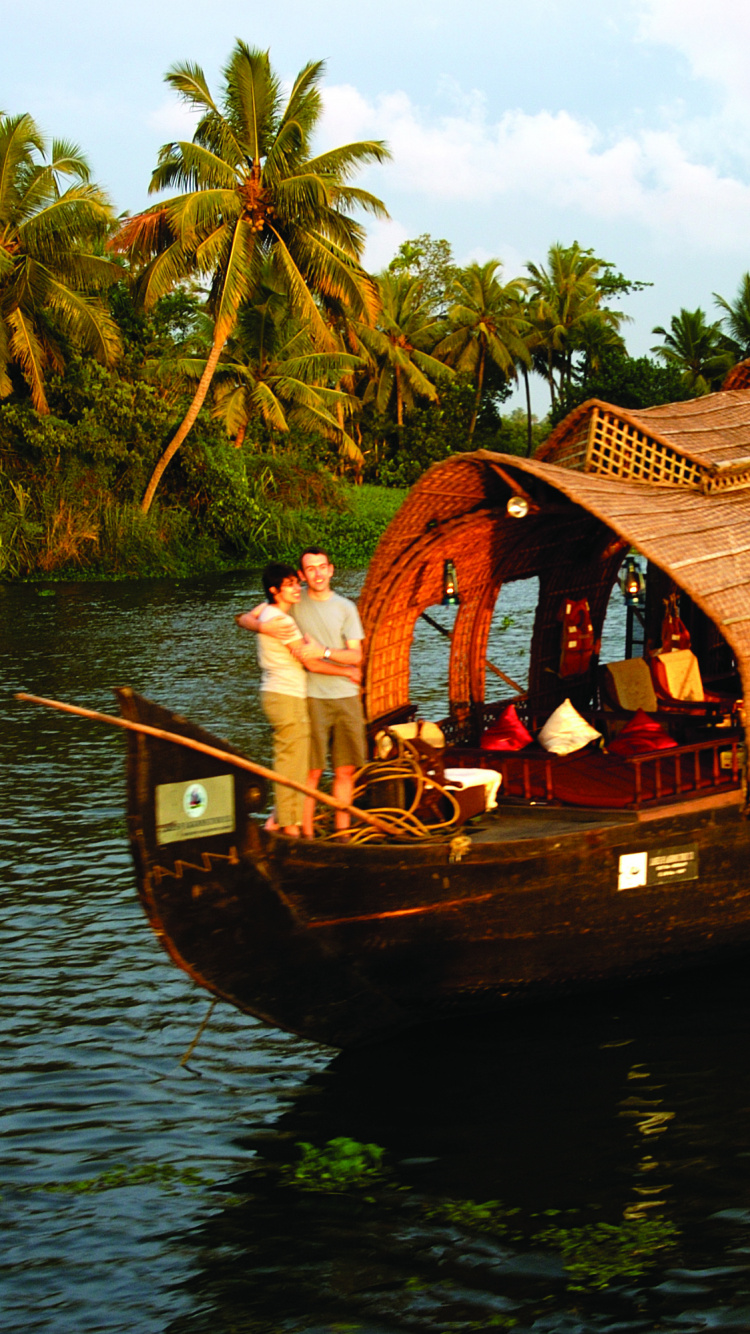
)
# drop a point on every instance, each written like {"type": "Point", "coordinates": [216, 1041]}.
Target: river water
{"type": "Point", "coordinates": [141, 1194]}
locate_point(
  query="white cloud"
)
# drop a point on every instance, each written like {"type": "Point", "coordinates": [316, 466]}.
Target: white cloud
{"type": "Point", "coordinates": [647, 179]}
{"type": "Point", "coordinates": [715, 39]}
{"type": "Point", "coordinates": [384, 236]}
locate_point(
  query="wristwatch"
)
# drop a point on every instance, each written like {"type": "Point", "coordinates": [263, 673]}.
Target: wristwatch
{"type": "Point", "coordinates": [326, 654]}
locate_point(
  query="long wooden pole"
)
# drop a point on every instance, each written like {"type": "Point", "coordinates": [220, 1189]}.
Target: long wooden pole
{"type": "Point", "coordinates": [449, 635]}
{"type": "Point", "coordinates": [238, 761]}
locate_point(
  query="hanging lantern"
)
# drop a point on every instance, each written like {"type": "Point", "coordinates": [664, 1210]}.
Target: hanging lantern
{"type": "Point", "coordinates": [450, 586]}
{"type": "Point", "coordinates": [633, 583]}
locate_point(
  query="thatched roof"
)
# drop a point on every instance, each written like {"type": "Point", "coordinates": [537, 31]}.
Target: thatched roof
{"type": "Point", "coordinates": [703, 443]}
{"type": "Point", "coordinates": [739, 376]}
{"type": "Point", "coordinates": [574, 539]}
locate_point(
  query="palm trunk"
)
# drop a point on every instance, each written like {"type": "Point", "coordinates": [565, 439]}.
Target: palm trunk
{"type": "Point", "coordinates": [478, 395]}
{"type": "Point", "coordinates": [188, 420]}
{"type": "Point", "coordinates": [239, 439]}
{"type": "Point", "coordinates": [551, 383]}
{"type": "Point", "coordinates": [528, 411]}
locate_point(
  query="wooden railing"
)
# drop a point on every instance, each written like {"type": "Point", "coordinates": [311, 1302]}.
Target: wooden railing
{"type": "Point", "coordinates": [660, 775]}
{"type": "Point", "coordinates": [685, 759]}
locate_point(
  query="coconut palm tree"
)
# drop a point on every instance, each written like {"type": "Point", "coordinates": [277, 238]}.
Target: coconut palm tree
{"type": "Point", "coordinates": [254, 193]}
{"type": "Point", "coordinates": [567, 313]}
{"type": "Point", "coordinates": [271, 372]}
{"type": "Point", "coordinates": [51, 217]}
{"type": "Point", "coordinates": [400, 347]}
{"type": "Point", "coordinates": [697, 349]}
{"type": "Point", "coordinates": [737, 317]}
{"type": "Point", "coordinates": [488, 327]}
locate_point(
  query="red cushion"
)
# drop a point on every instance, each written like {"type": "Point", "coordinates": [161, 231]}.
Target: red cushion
{"type": "Point", "coordinates": [508, 733]}
{"type": "Point", "coordinates": [641, 734]}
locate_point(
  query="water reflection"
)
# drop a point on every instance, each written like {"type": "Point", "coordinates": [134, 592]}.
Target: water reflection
{"type": "Point", "coordinates": [632, 1104]}
{"type": "Point", "coordinates": [553, 1113]}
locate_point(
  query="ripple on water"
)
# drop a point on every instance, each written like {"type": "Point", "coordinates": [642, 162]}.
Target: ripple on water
{"type": "Point", "coordinates": [141, 1195]}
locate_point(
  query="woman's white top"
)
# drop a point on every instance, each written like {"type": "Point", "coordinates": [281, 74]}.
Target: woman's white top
{"type": "Point", "coordinates": [281, 674]}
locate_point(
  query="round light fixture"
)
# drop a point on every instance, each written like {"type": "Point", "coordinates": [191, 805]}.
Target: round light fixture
{"type": "Point", "coordinates": [517, 507]}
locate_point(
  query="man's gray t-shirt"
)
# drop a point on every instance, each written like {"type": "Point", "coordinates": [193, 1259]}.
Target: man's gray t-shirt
{"type": "Point", "coordinates": [331, 621]}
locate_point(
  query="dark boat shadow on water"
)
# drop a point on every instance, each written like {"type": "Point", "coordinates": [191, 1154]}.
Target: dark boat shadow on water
{"type": "Point", "coordinates": [583, 1165]}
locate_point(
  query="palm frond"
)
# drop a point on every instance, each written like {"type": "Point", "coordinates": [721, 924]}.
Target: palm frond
{"type": "Point", "coordinates": [86, 321]}
{"type": "Point", "coordinates": [302, 196]}
{"type": "Point", "coordinates": [162, 273]}
{"type": "Point", "coordinates": [252, 98]}
{"type": "Point", "coordinates": [315, 367]}
{"type": "Point", "coordinates": [77, 216]}
{"type": "Point", "coordinates": [349, 196]}
{"type": "Point", "coordinates": [190, 82]}
{"type": "Point", "coordinates": [283, 153]}
{"type": "Point", "coordinates": [300, 293]}
{"type": "Point", "coordinates": [67, 159]}
{"type": "Point", "coordinates": [143, 235]}
{"type": "Point", "coordinates": [19, 139]}
{"type": "Point", "coordinates": [233, 405]}
{"type": "Point", "coordinates": [28, 352]}
{"type": "Point", "coordinates": [191, 166]}
{"type": "Point", "coordinates": [236, 279]}
{"type": "Point", "coordinates": [304, 106]}
{"type": "Point", "coordinates": [264, 401]}
{"type": "Point", "coordinates": [341, 163]}
{"type": "Point", "coordinates": [197, 215]}
{"type": "Point", "coordinates": [337, 276]}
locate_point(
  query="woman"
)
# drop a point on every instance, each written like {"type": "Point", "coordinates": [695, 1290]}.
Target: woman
{"type": "Point", "coordinates": [283, 694]}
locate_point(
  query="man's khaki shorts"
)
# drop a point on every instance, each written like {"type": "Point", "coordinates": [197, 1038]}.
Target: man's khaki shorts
{"type": "Point", "coordinates": [338, 725]}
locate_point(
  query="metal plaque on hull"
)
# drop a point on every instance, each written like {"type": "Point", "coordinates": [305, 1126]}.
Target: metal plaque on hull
{"type": "Point", "coordinates": [657, 867]}
{"type": "Point", "coordinates": [195, 810]}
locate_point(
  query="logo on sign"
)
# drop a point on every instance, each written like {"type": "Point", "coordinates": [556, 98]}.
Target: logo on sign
{"type": "Point", "coordinates": [195, 800]}
{"type": "Point", "coordinates": [632, 870]}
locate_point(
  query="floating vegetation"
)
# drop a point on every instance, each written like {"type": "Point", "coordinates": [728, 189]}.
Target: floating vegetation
{"type": "Point", "coordinates": [163, 1175]}
{"type": "Point", "coordinates": [342, 1164]}
{"type": "Point", "coordinates": [596, 1253]}
{"type": "Point", "coordinates": [593, 1254]}
{"type": "Point", "coordinates": [487, 1322]}
{"type": "Point", "coordinates": [491, 1216]}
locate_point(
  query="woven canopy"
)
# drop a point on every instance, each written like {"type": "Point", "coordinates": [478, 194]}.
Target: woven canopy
{"type": "Point", "coordinates": [578, 529]}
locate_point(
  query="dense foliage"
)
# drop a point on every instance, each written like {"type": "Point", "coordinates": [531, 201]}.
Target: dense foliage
{"type": "Point", "coordinates": [231, 332]}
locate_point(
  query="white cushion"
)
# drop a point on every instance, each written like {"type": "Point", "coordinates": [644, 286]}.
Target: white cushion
{"type": "Point", "coordinates": [430, 733]}
{"type": "Point", "coordinates": [489, 778]}
{"type": "Point", "coordinates": [565, 731]}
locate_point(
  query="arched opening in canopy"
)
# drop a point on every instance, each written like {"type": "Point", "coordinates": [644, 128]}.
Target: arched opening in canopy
{"type": "Point", "coordinates": [571, 538]}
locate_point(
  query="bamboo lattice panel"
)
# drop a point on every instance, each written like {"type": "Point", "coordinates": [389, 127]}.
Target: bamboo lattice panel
{"type": "Point", "coordinates": [618, 448]}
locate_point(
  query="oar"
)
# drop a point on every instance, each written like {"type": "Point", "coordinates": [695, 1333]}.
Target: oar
{"type": "Point", "coordinates": [449, 635]}
{"type": "Point", "coordinates": [238, 761]}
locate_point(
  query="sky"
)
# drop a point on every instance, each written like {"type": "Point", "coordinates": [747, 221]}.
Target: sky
{"type": "Point", "coordinates": [511, 126]}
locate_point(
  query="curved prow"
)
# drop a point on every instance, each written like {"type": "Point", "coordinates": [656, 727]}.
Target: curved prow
{"type": "Point", "coordinates": [214, 887]}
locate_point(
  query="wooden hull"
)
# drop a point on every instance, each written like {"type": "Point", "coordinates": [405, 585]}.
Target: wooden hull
{"type": "Point", "coordinates": [343, 944]}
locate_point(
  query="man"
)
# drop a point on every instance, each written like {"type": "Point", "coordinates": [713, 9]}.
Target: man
{"type": "Point", "coordinates": [333, 640]}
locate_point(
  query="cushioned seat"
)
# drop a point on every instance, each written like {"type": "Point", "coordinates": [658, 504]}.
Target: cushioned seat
{"type": "Point", "coordinates": [629, 685]}
{"type": "Point", "coordinates": [677, 676]}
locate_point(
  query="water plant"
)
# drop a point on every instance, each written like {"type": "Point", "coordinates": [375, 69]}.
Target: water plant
{"type": "Point", "coordinates": [163, 1175]}
{"type": "Point", "coordinates": [595, 1254]}
{"type": "Point", "coordinates": [341, 1165]}
{"type": "Point", "coordinates": [490, 1216]}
